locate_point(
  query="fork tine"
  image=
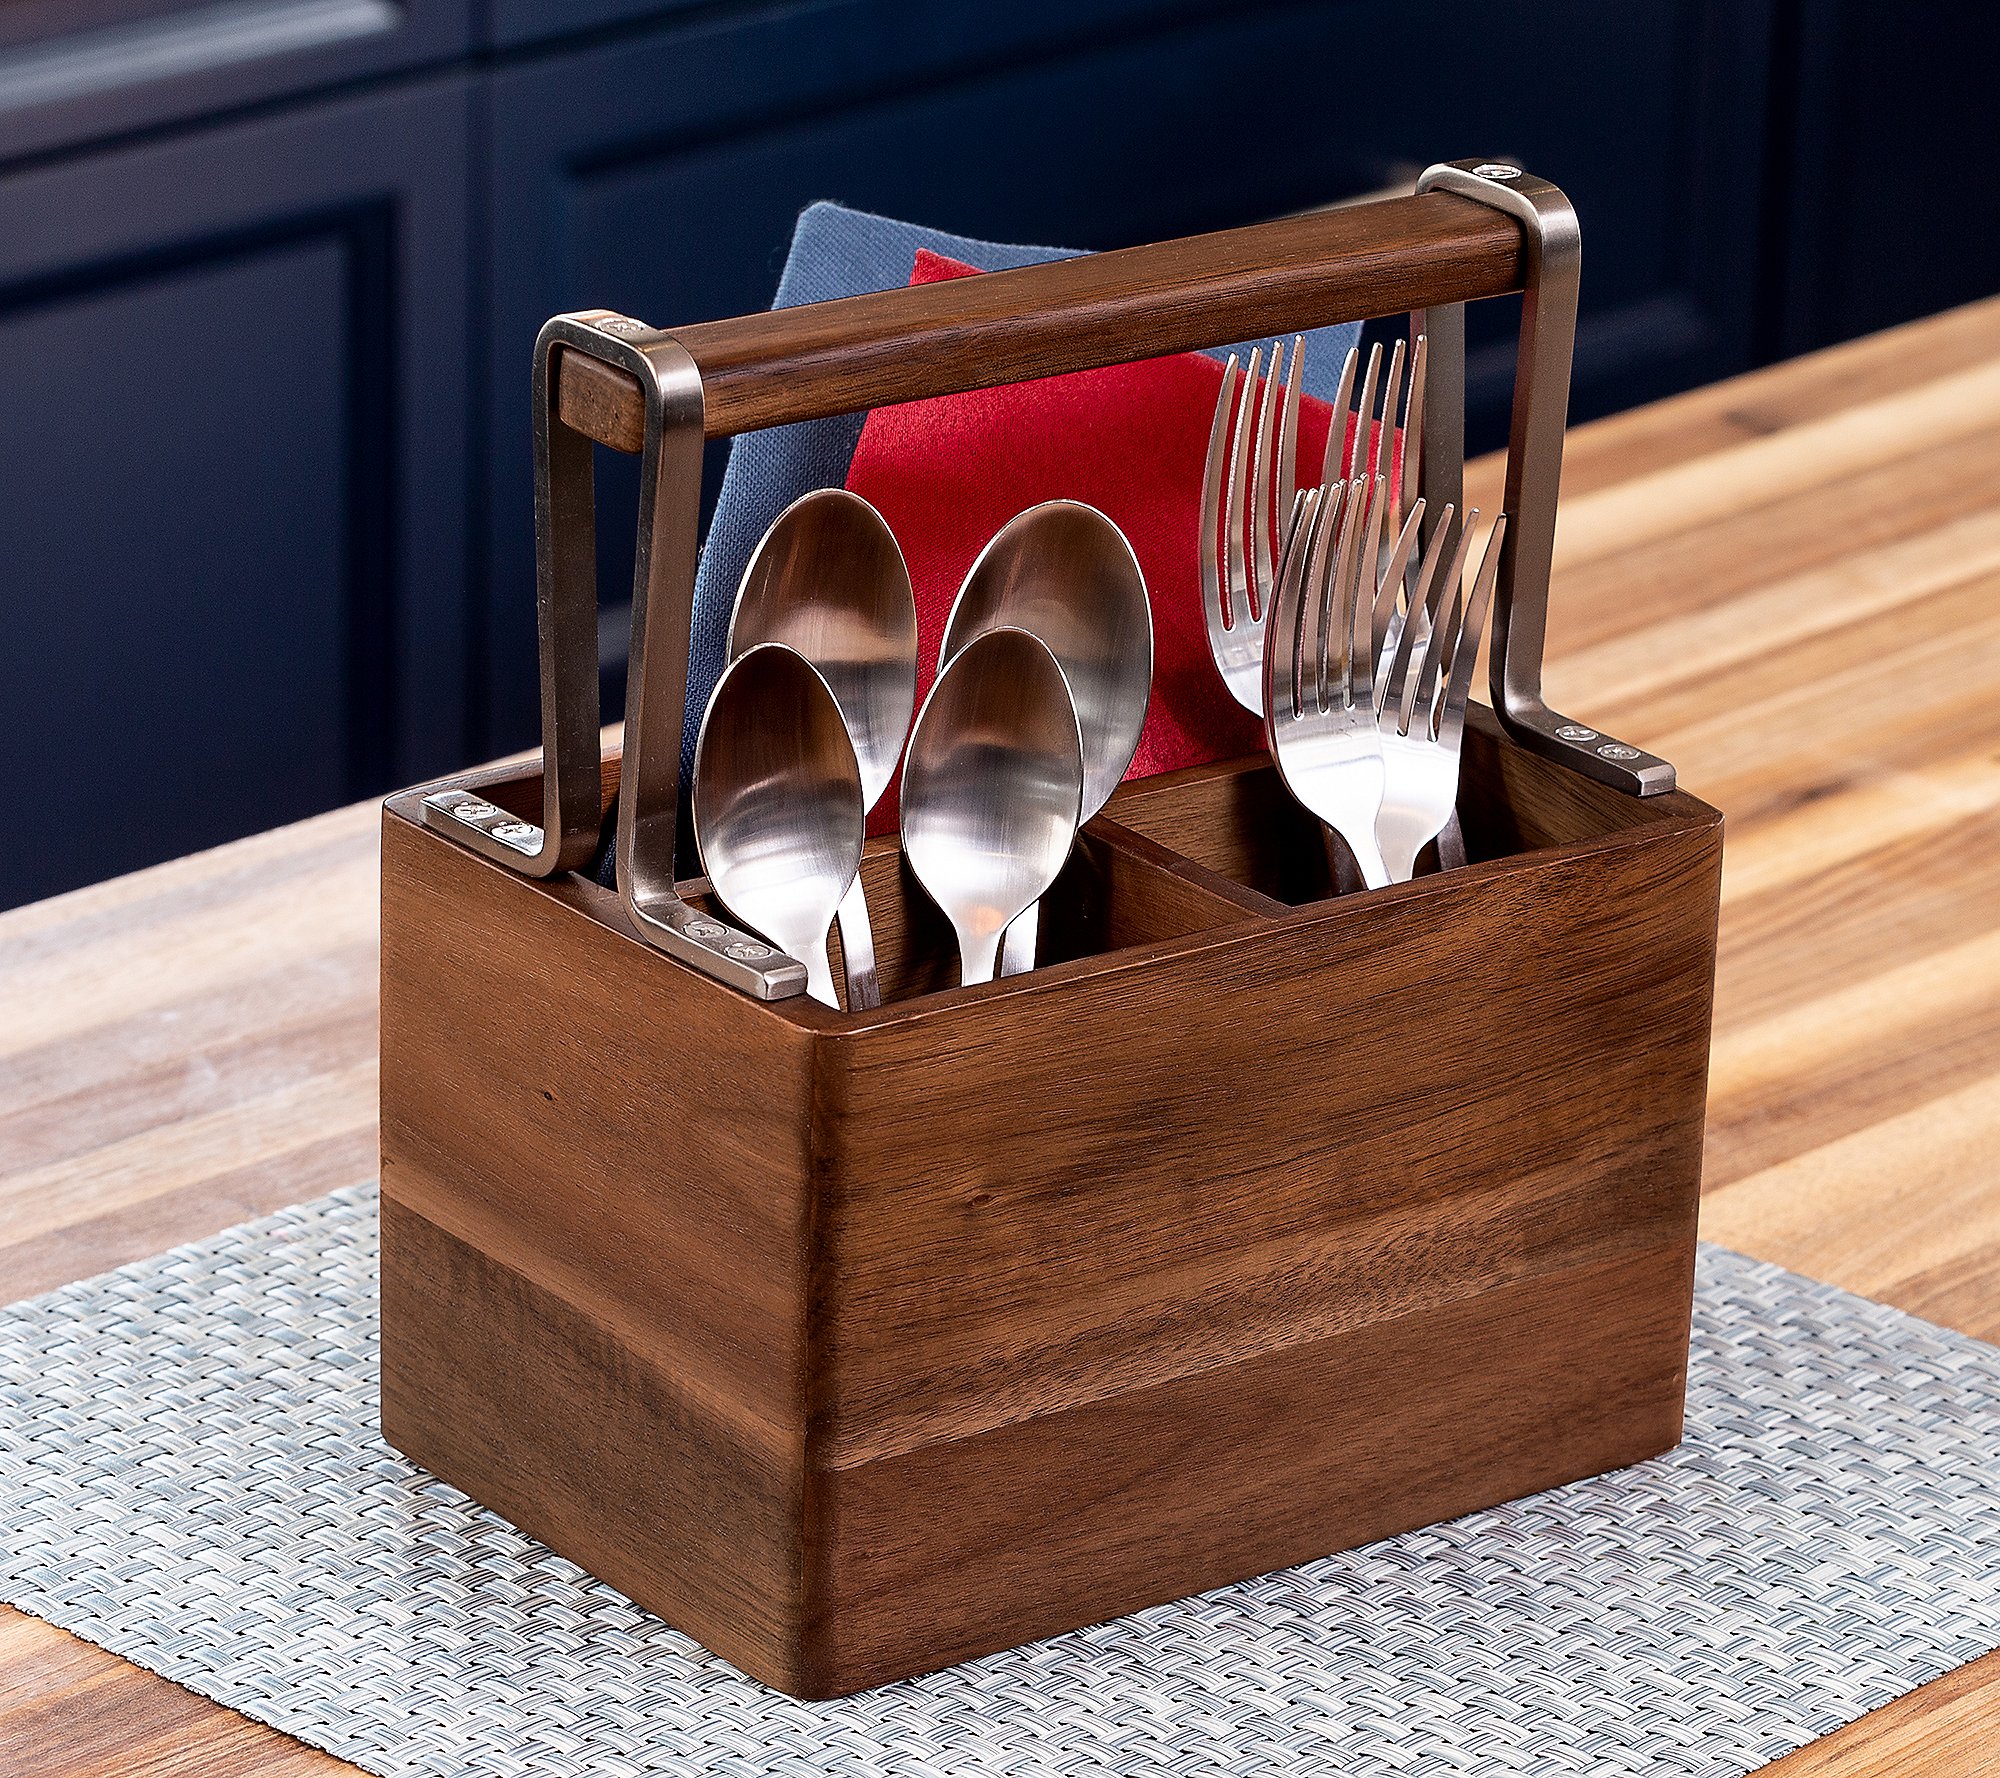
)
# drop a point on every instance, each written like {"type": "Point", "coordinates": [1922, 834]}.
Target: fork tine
{"type": "Point", "coordinates": [1361, 595]}
{"type": "Point", "coordinates": [1288, 430]}
{"type": "Point", "coordinates": [1449, 721]}
{"type": "Point", "coordinates": [1308, 634]}
{"type": "Point", "coordinates": [1394, 577]}
{"type": "Point", "coordinates": [1364, 415]}
{"type": "Point", "coordinates": [1260, 485]}
{"type": "Point", "coordinates": [1446, 607]}
{"type": "Point", "coordinates": [1237, 609]}
{"type": "Point", "coordinates": [1417, 623]}
{"type": "Point", "coordinates": [1333, 466]}
{"type": "Point", "coordinates": [1334, 657]}
{"type": "Point", "coordinates": [1378, 594]}
{"type": "Point", "coordinates": [1281, 637]}
{"type": "Point", "coordinates": [1385, 440]}
{"type": "Point", "coordinates": [1413, 429]}
{"type": "Point", "coordinates": [1336, 637]}
{"type": "Point", "coordinates": [1211, 495]}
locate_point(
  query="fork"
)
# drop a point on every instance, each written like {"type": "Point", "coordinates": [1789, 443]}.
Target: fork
{"type": "Point", "coordinates": [1327, 631]}
{"type": "Point", "coordinates": [1243, 462]}
{"type": "Point", "coordinates": [1421, 703]}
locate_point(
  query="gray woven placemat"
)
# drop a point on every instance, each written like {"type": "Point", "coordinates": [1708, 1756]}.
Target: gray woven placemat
{"type": "Point", "coordinates": [190, 1475]}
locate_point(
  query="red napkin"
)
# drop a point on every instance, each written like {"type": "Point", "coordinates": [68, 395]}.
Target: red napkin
{"type": "Point", "coordinates": [1129, 440]}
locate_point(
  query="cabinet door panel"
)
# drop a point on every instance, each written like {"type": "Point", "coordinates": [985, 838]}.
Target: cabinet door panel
{"type": "Point", "coordinates": [132, 649]}
{"type": "Point", "coordinates": [231, 535]}
{"type": "Point", "coordinates": [1891, 209]}
{"type": "Point", "coordinates": [661, 174]}
{"type": "Point", "coordinates": [80, 71]}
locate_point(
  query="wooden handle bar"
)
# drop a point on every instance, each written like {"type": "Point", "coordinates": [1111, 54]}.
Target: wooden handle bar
{"type": "Point", "coordinates": [1076, 314]}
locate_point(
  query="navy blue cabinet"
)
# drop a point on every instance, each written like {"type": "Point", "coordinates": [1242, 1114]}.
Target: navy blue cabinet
{"type": "Point", "coordinates": [661, 174]}
{"type": "Point", "coordinates": [87, 70]}
{"type": "Point", "coordinates": [270, 273]}
{"type": "Point", "coordinates": [232, 532]}
{"type": "Point", "coordinates": [1886, 206]}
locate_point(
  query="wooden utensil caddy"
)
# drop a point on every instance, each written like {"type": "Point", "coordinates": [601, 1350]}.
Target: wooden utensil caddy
{"type": "Point", "coordinates": [1255, 1224]}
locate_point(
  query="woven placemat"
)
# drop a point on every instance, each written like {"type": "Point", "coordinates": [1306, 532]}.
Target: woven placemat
{"type": "Point", "coordinates": [190, 1475]}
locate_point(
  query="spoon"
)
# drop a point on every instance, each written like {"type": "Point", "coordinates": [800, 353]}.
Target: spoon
{"type": "Point", "coordinates": [991, 789]}
{"type": "Point", "coordinates": [829, 580]}
{"type": "Point", "coordinates": [777, 804]}
{"type": "Point", "coordinates": [1064, 572]}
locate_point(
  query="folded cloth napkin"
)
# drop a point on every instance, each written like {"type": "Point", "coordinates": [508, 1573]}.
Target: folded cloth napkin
{"type": "Point", "coordinates": [835, 252]}
{"type": "Point", "coordinates": [1130, 440]}
{"type": "Point", "coordinates": [838, 252]}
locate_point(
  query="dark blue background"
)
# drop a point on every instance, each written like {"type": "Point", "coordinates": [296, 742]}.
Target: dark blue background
{"type": "Point", "coordinates": [266, 301]}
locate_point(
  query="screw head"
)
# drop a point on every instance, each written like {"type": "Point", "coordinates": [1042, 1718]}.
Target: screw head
{"type": "Point", "coordinates": [514, 830]}
{"type": "Point", "coordinates": [1575, 731]}
{"type": "Point", "coordinates": [705, 930]}
{"type": "Point", "coordinates": [1498, 170]}
{"type": "Point", "coordinates": [622, 324]}
{"type": "Point", "coordinates": [474, 811]}
{"type": "Point", "coordinates": [1617, 750]}
{"type": "Point", "coordinates": [747, 953]}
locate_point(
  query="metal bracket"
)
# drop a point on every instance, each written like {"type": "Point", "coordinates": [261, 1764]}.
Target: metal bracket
{"type": "Point", "coordinates": [1534, 465]}
{"type": "Point", "coordinates": [662, 609]}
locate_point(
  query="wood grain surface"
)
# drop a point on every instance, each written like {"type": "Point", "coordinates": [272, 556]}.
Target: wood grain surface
{"type": "Point", "coordinates": [1788, 584]}
{"type": "Point", "coordinates": [928, 1276]}
{"type": "Point", "coordinates": [1033, 321]}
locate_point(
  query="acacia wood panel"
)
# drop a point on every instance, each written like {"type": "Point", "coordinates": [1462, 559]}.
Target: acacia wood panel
{"type": "Point", "coordinates": [1036, 1258]}
{"type": "Point", "coordinates": [610, 1446]}
{"type": "Point", "coordinates": [561, 1029]}
{"type": "Point", "coordinates": [881, 1286]}
{"type": "Point", "coordinates": [1229, 1472]}
{"type": "Point", "coordinates": [1853, 1106]}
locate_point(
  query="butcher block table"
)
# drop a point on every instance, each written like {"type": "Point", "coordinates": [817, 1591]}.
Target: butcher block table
{"type": "Point", "coordinates": [1788, 585]}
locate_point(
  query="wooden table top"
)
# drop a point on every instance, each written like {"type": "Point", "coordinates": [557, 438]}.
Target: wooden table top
{"type": "Point", "coordinates": [1787, 584]}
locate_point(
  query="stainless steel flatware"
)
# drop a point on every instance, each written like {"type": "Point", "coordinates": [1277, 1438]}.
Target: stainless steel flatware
{"type": "Point", "coordinates": [1065, 573]}
{"type": "Point", "coordinates": [1325, 638]}
{"type": "Point", "coordinates": [992, 788]}
{"type": "Point", "coordinates": [829, 580]}
{"type": "Point", "coordinates": [777, 804]}
{"type": "Point", "coordinates": [1252, 470]}
{"type": "Point", "coordinates": [1421, 719]}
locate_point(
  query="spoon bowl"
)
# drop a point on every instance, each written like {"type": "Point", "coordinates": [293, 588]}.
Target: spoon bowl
{"type": "Point", "coordinates": [777, 804]}
{"type": "Point", "coordinates": [992, 789]}
{"type": "Point", "coordinates": [1065, 573]}
{"type": "Point", "coordinates": [828, 579]}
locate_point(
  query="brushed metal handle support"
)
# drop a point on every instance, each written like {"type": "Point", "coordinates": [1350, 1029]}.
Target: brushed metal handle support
{"type": "Point", "coordinates": [1553, 252]}
{"type": "Point", "coordinates": [662, 610]}
{"type": "Point", "coordinates": [669, 386]}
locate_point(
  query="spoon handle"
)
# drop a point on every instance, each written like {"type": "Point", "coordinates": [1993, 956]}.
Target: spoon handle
{"type": "Point", "coordinates": [978, 953]}
{"type": "Point", "coordinates": [857, 948]}
{"type": "Point", "coordinates": [1017, 950]}
{"type": "Point", "coordinates": [819, 972]}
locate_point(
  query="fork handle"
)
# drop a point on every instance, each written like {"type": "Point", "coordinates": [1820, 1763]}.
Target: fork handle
{"type": "Point", "coordinates": [1344, 873]}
